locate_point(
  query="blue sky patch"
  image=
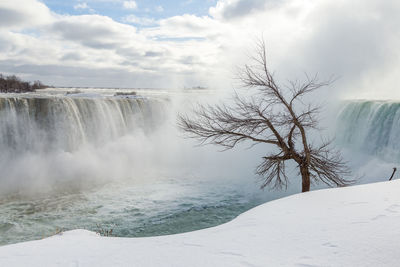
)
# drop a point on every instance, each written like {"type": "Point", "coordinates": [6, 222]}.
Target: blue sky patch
{"type": "Point", "coordinates": [118, 11]}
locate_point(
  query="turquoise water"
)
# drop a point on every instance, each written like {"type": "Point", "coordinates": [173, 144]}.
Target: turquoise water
{"type": "Point", "coordinates": [162, 207]}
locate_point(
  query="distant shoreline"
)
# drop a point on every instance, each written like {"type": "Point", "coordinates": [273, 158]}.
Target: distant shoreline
{"type": "Point", "coordinates": [13, 84]}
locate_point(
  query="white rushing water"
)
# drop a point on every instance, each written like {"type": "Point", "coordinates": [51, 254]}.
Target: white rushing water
{"type": "Point", "coordinates": [51, 138]}
{"type": "Point", "coordinates": [368, 132]}
{"type": "Point", "coordinates": [372, 127]}
{"type": "Point", "coordinates": [66, 123]}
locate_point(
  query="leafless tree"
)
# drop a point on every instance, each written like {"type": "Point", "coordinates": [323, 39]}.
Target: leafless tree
{"type": "Point", "coordinates": [274, 115]}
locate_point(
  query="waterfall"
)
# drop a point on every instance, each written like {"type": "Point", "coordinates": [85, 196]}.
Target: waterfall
{"type": "Point", "coordinates": [92, 159]}
{"type": "Point", "coordinates": [53, 142]}
{"type": "Point", "coordinates": [371, 127]}
{"type": "Point", "coordinates": [66, 123]}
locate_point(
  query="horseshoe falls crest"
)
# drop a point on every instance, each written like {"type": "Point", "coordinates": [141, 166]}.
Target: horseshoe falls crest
{"type": "Point", "coordinates": [65, 123]}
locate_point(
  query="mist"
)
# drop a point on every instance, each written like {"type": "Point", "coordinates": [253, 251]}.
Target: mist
{"type": "Point", "coordinates": [65, 156]}
{"type": "Point", "coordinates": [90, 158]}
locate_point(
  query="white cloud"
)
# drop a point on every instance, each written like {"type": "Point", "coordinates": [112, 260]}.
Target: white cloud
{"type": "Point", "coordinates": [231, 9]}
{"type": "Point", "coordinates": [355, 40]}
{"type": "Point", "coordinates": [84, 6]}
{"type": "Point", "coordinates": [139, 20]}
{"type": "Point", "coordinates": [81, 6]}
{"type": "Point", "coordinates": [23, 14]}
{"type": "Point", "coordinates": [129, 4]}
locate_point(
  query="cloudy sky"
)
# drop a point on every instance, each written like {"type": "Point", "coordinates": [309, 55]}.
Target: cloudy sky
{"type": "Point", "coordinates": [172, 44]}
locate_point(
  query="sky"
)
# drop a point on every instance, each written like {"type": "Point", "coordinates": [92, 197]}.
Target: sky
{"type": "Point", "coordinates": [177, 44]}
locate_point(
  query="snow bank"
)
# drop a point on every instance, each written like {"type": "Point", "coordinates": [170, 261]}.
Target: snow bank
{"type": "Point", "coordinates": [354, 226]}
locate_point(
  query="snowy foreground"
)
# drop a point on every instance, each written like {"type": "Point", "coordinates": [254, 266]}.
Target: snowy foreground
{"type": "Point", "coordinates": [354, 226]}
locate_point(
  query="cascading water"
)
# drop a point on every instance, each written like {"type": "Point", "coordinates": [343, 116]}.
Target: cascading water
{"type": "Point", "coordinates": [372, 127]}
{"type": "Point", "coordinates": [66, 123]}
{"type": "Point", "coordinates": [95, 160]}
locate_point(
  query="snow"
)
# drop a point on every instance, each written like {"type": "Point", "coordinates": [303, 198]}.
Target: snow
{"type": "Point", "coordinates": [352, 226]}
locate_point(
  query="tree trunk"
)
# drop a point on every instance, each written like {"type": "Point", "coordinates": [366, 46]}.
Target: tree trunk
{"type": "Point", "coordinates": [305, 177]}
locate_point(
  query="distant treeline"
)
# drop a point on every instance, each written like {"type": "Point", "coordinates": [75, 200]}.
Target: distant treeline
{"type": "Point", "coordinates": [13, 84]}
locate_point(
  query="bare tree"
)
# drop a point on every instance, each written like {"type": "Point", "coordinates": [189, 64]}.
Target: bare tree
{"type": "Point", "coordinates": [274, 115]}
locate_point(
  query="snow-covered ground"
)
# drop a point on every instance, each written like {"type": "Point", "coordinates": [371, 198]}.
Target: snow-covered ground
{"type": "Point", "coordinates": [353, 226]}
